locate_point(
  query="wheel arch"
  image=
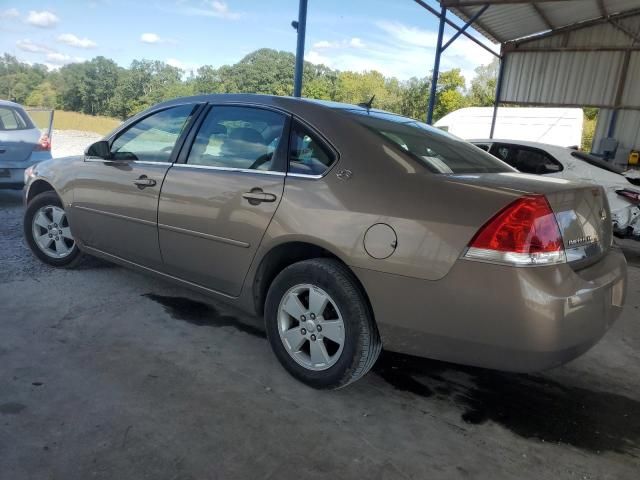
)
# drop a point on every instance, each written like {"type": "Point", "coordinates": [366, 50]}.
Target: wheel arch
{"type": "Point", "coordinates": [39, 186]}
{"type": "Point", "coordinates": [285, 254]}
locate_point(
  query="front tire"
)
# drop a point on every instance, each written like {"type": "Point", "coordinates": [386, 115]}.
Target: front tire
{"type": "Point", "coordinates": [47, 231]}
{"type": "Point", "coordinates": [319, 324]}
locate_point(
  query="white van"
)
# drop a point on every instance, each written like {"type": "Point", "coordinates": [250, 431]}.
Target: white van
{"type": "Point", "coordinates": [554, 126]}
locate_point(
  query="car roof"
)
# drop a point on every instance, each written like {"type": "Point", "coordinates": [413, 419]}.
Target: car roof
{"type": "Point", "coordinates": [291, 103]}
{"type": "Point", "coordinates": [7, 103]}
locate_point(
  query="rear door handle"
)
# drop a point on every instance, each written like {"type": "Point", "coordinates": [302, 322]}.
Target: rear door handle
{"type": "Point", "coordinates": [257, 196]}
{"type": "Point", "coordinates": [144, 182]}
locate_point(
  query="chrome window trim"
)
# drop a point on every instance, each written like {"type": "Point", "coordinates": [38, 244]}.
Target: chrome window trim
{"type": "Point", "coordinates": [228, 169]}
{"type": "Point", "coordinates": [142, 115]}
{"type": "Point", "coordinates": [137, 162]}
{"type": "Point", "coordinates": [325, 142]}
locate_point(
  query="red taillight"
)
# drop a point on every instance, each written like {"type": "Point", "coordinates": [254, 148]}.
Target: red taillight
{"type": "Point", "coordinates": [44, 144]}
{"type": "Point", "coordinates": [629, 194]}
{"type": "Point", "coordinates": [523, 233]}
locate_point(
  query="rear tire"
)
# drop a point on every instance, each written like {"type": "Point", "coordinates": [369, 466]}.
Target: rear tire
{"type": "Point", "coordinates": [47, 231]}
{"type": "Point", "coordinates": [319, 324]}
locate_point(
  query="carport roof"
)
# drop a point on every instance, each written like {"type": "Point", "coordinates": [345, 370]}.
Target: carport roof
{"type": "Point", "coordinates": [509, 20]}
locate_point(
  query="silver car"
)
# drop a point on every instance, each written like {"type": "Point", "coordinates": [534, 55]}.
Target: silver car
{"type": "Point", "coordinates": [22, 144]}
{"type": "Point", "coordinates": [346, 228]}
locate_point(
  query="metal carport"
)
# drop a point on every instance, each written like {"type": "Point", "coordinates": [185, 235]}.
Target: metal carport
{"type": "Point", "coordinates": [552, 53]}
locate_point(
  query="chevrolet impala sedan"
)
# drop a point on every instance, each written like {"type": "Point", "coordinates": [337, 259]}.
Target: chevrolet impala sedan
{"type": "Point", "coordinates": [347, 228]}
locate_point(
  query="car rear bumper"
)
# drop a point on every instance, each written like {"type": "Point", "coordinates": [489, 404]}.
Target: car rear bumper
{"type": "Point", "coordinates": [12, 178]}
{"type": "Point", "coordinates": [518, 319]}
{"type": "Point", "coordinates": [12, 173]}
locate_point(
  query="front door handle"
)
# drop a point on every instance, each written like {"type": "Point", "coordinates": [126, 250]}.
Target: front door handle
{"type": "Point", "coordinates": [144, 182]}
{"type": "Point", "coordinates": [257, 196]}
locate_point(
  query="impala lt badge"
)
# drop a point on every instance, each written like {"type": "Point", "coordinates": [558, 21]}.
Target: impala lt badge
{"type": "Point", "coordinates": [582, 240]}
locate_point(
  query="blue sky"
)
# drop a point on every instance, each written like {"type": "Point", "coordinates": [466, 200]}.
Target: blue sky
{"type": "Point", "coordinates": [396, 37]}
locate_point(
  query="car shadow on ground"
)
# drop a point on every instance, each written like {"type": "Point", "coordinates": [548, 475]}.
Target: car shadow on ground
{"type": "Point", "coordinates": [531, 406]}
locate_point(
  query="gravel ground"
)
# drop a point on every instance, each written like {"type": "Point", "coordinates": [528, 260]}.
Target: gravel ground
{"type": "Point", "coordinates": [109, 374]}
{"type": "Point", "coordinates": [71, 142]}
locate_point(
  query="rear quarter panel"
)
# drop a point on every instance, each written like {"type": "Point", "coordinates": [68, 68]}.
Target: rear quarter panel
{"type": "Point", "coordinates": [433, 216]}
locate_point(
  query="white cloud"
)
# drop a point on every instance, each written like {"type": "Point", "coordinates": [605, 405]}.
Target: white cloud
{"type": "Point", "coordinates": [27, 45]}
{"type": "Point", "coordinates": [209, 8]}
{"type": "Point", "coordinates": [185, 66]}
{"type": "Point", "coordinates": [42, 19]}
{"type": "Point", "coordinates": [323, 44]}
{"type": "Point", "coordinates": [9, 13]}
{"type": "Point", "coordinates": [354, 42]}
{"type": "Point", "coordinates": [58, 59]}
{"type": "Point", "coordinates": [398, 50]}
{"type": "Point", "coordinates": [221, 9]}
{"type": "Point", "coordinates": [150, 38]}
{"type": "Point", "coordinates": [74, 41]}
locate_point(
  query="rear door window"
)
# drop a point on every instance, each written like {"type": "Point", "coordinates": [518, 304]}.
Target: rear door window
{"type": "Point", "coordinates": [502, 152]}
{"type": "Point", "coordinates": [11, 120]}
{"type": "Point", "coordinates": [238, 137]}
{"type": "Point", "coordinates": [531, 160]}
{"type": "Point", "coordinates": [308, 155]}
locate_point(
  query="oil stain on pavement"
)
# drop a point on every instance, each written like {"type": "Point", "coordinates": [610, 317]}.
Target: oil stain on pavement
{"type": "Point", "coordinates": [530, 406]}
{"type": "Point", "coordinates": [201, 314]}
{"type": "Point", "coordinates": [11, 408]}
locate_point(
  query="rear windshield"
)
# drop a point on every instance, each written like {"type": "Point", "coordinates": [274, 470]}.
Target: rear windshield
{"type": "Point", "coordinates": [439, 151]}
{"type": "Point", "coordinates": [13, 119]}
{"type": "Point", "coordinates": [596, 162]}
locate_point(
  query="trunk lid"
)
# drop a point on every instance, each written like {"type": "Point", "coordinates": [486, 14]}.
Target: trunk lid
{"type": "Point", "coordinates": [17, 145]}
{"type": "Point", "coordinates": [584, 219]}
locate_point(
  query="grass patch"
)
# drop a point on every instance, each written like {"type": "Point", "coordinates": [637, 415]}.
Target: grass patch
{"type": "Point", "coordinates": [75, 121]}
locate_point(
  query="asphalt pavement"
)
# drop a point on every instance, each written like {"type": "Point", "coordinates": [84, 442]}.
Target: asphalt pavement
{"type": "Point", "coordinates": [109, 374]}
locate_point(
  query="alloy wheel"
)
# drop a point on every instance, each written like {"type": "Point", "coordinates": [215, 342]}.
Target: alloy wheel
{"type": "Point", "coordinates": [51, 232]}
{"type": "Point", "coordinates": [311, 327]}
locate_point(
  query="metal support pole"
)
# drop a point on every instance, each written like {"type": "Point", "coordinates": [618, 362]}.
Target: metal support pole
{"type": "Point", "coordinates": [301, 27]}
{"type": "Point", "coordinates": [612, 123]}
{"type": "Point", "coordinates": [436, 67]}
{"type": "Point", "coordinates": [433, 11]}
{"type": "Point", "coordinates": [496, 101]}
{"type": "Point", "coordinates": [465, 26]}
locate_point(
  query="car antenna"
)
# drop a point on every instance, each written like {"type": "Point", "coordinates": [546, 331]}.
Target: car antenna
{"type": "Point", "coordinates": [368, 104]}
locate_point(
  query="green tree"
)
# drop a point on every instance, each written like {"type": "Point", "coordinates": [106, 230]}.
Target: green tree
{"type": "Point", "coordinates": [483, 85]}
{"type": "Point", "coordinates": [44, 95]}
{"type": "Point", "coordinates": [449, 93]}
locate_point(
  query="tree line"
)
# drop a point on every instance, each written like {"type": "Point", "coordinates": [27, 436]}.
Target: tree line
{"type": "Point", "coordinates": [101, 87]}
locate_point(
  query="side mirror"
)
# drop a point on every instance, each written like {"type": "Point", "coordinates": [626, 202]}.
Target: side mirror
{"type": "Point", "coordinates": [100, 149]}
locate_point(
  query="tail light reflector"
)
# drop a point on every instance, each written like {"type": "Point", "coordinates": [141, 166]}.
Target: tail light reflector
{"type": "Point", "coordinates": [44, 144]}
{"type": "Point", "coordinates": [630, 194]}
{"type": "Point", "coordinates": [525, 232]}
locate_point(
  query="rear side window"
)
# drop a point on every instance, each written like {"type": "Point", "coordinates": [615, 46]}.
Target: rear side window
{"type": "Point", "coordinates": [244, 138]}
{"type": "Point", "coordinates": [307, 154]}
{"type": "Point", "coordinates": [10, 119]}
{"type": "Point", "coordinates": [502, 152]}
{"type": "Point", "coordinates": [529, 160]}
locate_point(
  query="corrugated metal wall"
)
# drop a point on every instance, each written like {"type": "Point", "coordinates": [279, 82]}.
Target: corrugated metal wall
{"type": "Point", "coordinates": [581, 78]}
{"type": "Point", "coordinates": [574, 78]}
{"type": "Point", "coordinates": [627, 132]}
{"type": "Point", "coordinates": [562, 78]}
